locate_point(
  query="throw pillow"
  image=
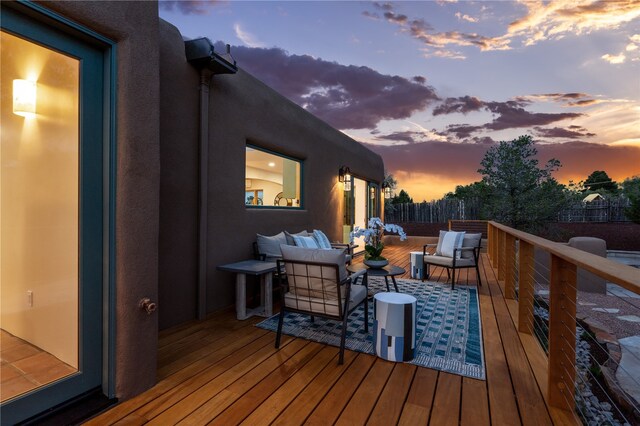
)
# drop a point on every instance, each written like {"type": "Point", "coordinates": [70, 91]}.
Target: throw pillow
{"type": "Point", "coordinates": [450, 241]}
{"type": "Point", "coordinates": [470, 240]}
{"type": "Point", "coordinates": [439, 247]}
{"type": "Point", "coordinates": [289, 236]}
{"type": "Point", "coordinates": [321, 239]}
{"type": "Point", "coordinates": [306, 242]}
{"type": "Point", "coordinates": [270, 245]}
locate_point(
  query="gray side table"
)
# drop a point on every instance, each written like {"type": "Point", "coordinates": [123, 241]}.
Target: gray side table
{"type": "Point", "coordinates": [252, 267]}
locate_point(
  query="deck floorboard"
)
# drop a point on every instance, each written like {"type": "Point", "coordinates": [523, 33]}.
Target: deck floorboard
{"type": "Point", "coordinates": [223, 371]}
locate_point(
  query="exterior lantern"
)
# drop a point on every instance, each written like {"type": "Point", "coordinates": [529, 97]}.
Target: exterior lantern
{"type": "Point", "coordinates": [387, 192]}
{"type": "Point", "coordinates": [344, 176]}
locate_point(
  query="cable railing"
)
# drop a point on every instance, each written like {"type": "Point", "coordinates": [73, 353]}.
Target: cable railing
{"type": "Point", "coordinates": [542, 277]}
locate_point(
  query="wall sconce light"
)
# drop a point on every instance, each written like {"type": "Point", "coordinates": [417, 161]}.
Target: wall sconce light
{"type": "Point", "coordinates": [344, 176]}
{"type": "Point", "coordinates": [387, 192]}
{"type": "Point", "coordinates": [24, 98]}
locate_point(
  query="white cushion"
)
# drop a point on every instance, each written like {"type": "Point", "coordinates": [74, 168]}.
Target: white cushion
{"type": "Point", "coordinates": [439, 246]}
{"type": "Point", "coordinates": [270, 245]}
{"type": "Point", "coordinates": [306, 242]}
{"type": "Point", "coordinates": [321, 239]}
{"type": "Point", "coordinates": [289, 236]}
{"type": "Point", "coordinates": [451, 240]}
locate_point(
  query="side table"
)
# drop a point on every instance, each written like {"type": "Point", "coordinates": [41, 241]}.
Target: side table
{"type": "Point", "coordinates": [394, 324]}
{"type": "Point", "coordinates": [252, 267]}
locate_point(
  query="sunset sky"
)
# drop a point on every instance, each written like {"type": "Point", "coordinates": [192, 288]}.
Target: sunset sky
{"type": "Point", "coordinates": [432, 85]}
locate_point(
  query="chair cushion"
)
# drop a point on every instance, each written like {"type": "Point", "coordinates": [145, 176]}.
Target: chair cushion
{"type": "Point", "coordinates": [325, 306]}
{"type": "Point", "coordinates": [470, 240]}
{"type": "Point", "coordinates": [306, 242]}
{"type": "Point", "coordinates": [451, 240]}
{"type": "Point", "coordinates": [321, 239]}
{"type": "Point", "coordinates": [447, 261]}
{"type": "Point", "coordinates": [333, 256]}
{"type": "Point", "coordinates": [289, 236]}
{"type": "Point", "coordinates": [270, 245]}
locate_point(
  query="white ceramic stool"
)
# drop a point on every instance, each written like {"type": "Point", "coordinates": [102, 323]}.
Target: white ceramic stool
{"type": "Point", "coordinates": [394, 323]}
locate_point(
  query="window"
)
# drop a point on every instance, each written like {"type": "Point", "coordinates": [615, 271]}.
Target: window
{"type": "Point", "coordinates": [271, 180]}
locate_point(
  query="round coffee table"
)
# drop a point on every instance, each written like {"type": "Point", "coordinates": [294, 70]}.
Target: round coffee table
{"type": "Point", "coordinates": [386, 272]}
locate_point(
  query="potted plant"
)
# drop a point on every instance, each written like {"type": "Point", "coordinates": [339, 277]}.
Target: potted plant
{"type": "Point", "coordinates": [373, 234]}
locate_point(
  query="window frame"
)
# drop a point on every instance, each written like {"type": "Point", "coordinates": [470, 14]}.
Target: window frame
{"type": "Point", "coordinates": [281, 155]}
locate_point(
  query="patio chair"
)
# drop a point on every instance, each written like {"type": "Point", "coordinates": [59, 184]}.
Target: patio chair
{"type": "Point", "coordinates": [316, 283]}
{"type": "Point", "coordinates": [465, 253]}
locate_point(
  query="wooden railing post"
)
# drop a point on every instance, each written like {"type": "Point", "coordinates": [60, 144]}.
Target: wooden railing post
{"type": "Point", "coordinates": [525, 287]}
{"type": "Point", "coordinates": [501, 254]}
{"type": "Point", "coordinates": [491, 234]}
{"type": "Point", "coordinates": [562, 334]}
{"type": "Point", "coordinates": [509, 266]}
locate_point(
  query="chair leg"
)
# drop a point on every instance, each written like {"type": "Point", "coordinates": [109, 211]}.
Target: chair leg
{"type": "Point", "coordinates": [453, 278]}
{"type": "Point", "coordinates": [280, 322]}
{"type": "Point", "coordinates": [366, 315]}
{"type": "Point", "coordinates": [313, 319]}
{"type": "Point", "coordinates": [343, 338]}
{"type": "Point", "coordinates": [478, 274]}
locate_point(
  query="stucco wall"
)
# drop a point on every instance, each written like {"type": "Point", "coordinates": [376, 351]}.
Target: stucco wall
{"type": "Point", "coordinates": [242, 109]}
{"type": "Point", "coordinates": [134, 26]}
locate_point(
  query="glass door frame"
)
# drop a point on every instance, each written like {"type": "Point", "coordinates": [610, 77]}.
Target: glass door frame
{"type": "Point", "coordinates": [372, 208]}
{"type": "Point", "coordinates": [97, 172]}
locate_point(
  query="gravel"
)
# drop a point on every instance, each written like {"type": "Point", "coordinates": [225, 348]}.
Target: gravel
{"type": "Point", "coordinates": [593, 411]}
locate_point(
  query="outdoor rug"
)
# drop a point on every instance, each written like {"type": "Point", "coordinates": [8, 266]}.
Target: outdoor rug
{"type": "Point", "coordinates": [448, 330]}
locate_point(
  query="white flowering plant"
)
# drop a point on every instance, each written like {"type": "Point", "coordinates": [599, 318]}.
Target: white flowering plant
{"type": "Point", "coordinates": [373, 234]}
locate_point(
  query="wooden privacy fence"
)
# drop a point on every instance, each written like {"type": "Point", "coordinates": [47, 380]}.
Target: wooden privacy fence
{"type": "Point", "coordinates": [439, 211]}
{"type": "Point", "coordinates": [470, 226]}
{"type": "Point", "coordinates": [610, 210]}
{"type": "Point", "coordinates": [511, 252]}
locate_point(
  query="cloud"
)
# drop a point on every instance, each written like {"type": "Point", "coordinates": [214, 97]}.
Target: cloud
{"type": "Point", "coordinates": [542, 21]}
{"type": "Point", "coordinates": [345, 96]}
{"type": "Point", "coordinates": [511, 115]}
{"type": "Point", "coordinates": [572, 132]}
{"type": "Point", "coordinates": [553, 20]}
{"type": "Point", "coordinates": [188, 7]}
{"type": "Point", "coordinates": [507, 115]}
{"type": "Point", "coordinates": [406, 136]}
{"type": "Point", "coordinates": [246, 37]}
{"type": "Point", "coordinates": [437, 42]}
{"type": "Point", "coordinates": [462, 105]}
{"type": "Point", "coordinates": [614, 59]}
{"type": "Point", "coordinates": [467, 18]}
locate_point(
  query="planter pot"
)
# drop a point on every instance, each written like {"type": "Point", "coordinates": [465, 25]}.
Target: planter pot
{"type": "Point", "coordinates": [376, 264]}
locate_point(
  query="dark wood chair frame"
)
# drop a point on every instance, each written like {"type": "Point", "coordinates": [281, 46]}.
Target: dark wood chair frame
{"type": "Point", "coordinates": [343, 302]}
{"type": "Point", "coordinates": [452, 274]}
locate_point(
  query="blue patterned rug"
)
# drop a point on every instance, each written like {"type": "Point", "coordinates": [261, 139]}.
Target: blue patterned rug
{"type": "Point", "coordinates": [449, 334]}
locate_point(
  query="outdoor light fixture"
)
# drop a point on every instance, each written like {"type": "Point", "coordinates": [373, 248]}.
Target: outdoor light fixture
{"type": "Point", "coordinates": [344, 176]}
{"type": "Point", "coordinates": [24, 98]}
{"type": "Point", "coordinates": [387, 192]}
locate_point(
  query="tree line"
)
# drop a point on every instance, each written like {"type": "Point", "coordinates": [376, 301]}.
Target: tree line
{"type": "Point", "coordinates": [516, 190]}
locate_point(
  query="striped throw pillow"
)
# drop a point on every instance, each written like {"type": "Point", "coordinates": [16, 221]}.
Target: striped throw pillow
{"type": "Point", "coordinates": [306, 242]}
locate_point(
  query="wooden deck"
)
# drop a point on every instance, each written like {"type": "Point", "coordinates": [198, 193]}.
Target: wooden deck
{"type": "Point", "coordinates": [226, 372]}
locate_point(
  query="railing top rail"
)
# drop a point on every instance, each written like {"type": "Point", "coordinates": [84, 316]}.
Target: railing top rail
{"type": "Point", "coordinates": [623, 275]}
